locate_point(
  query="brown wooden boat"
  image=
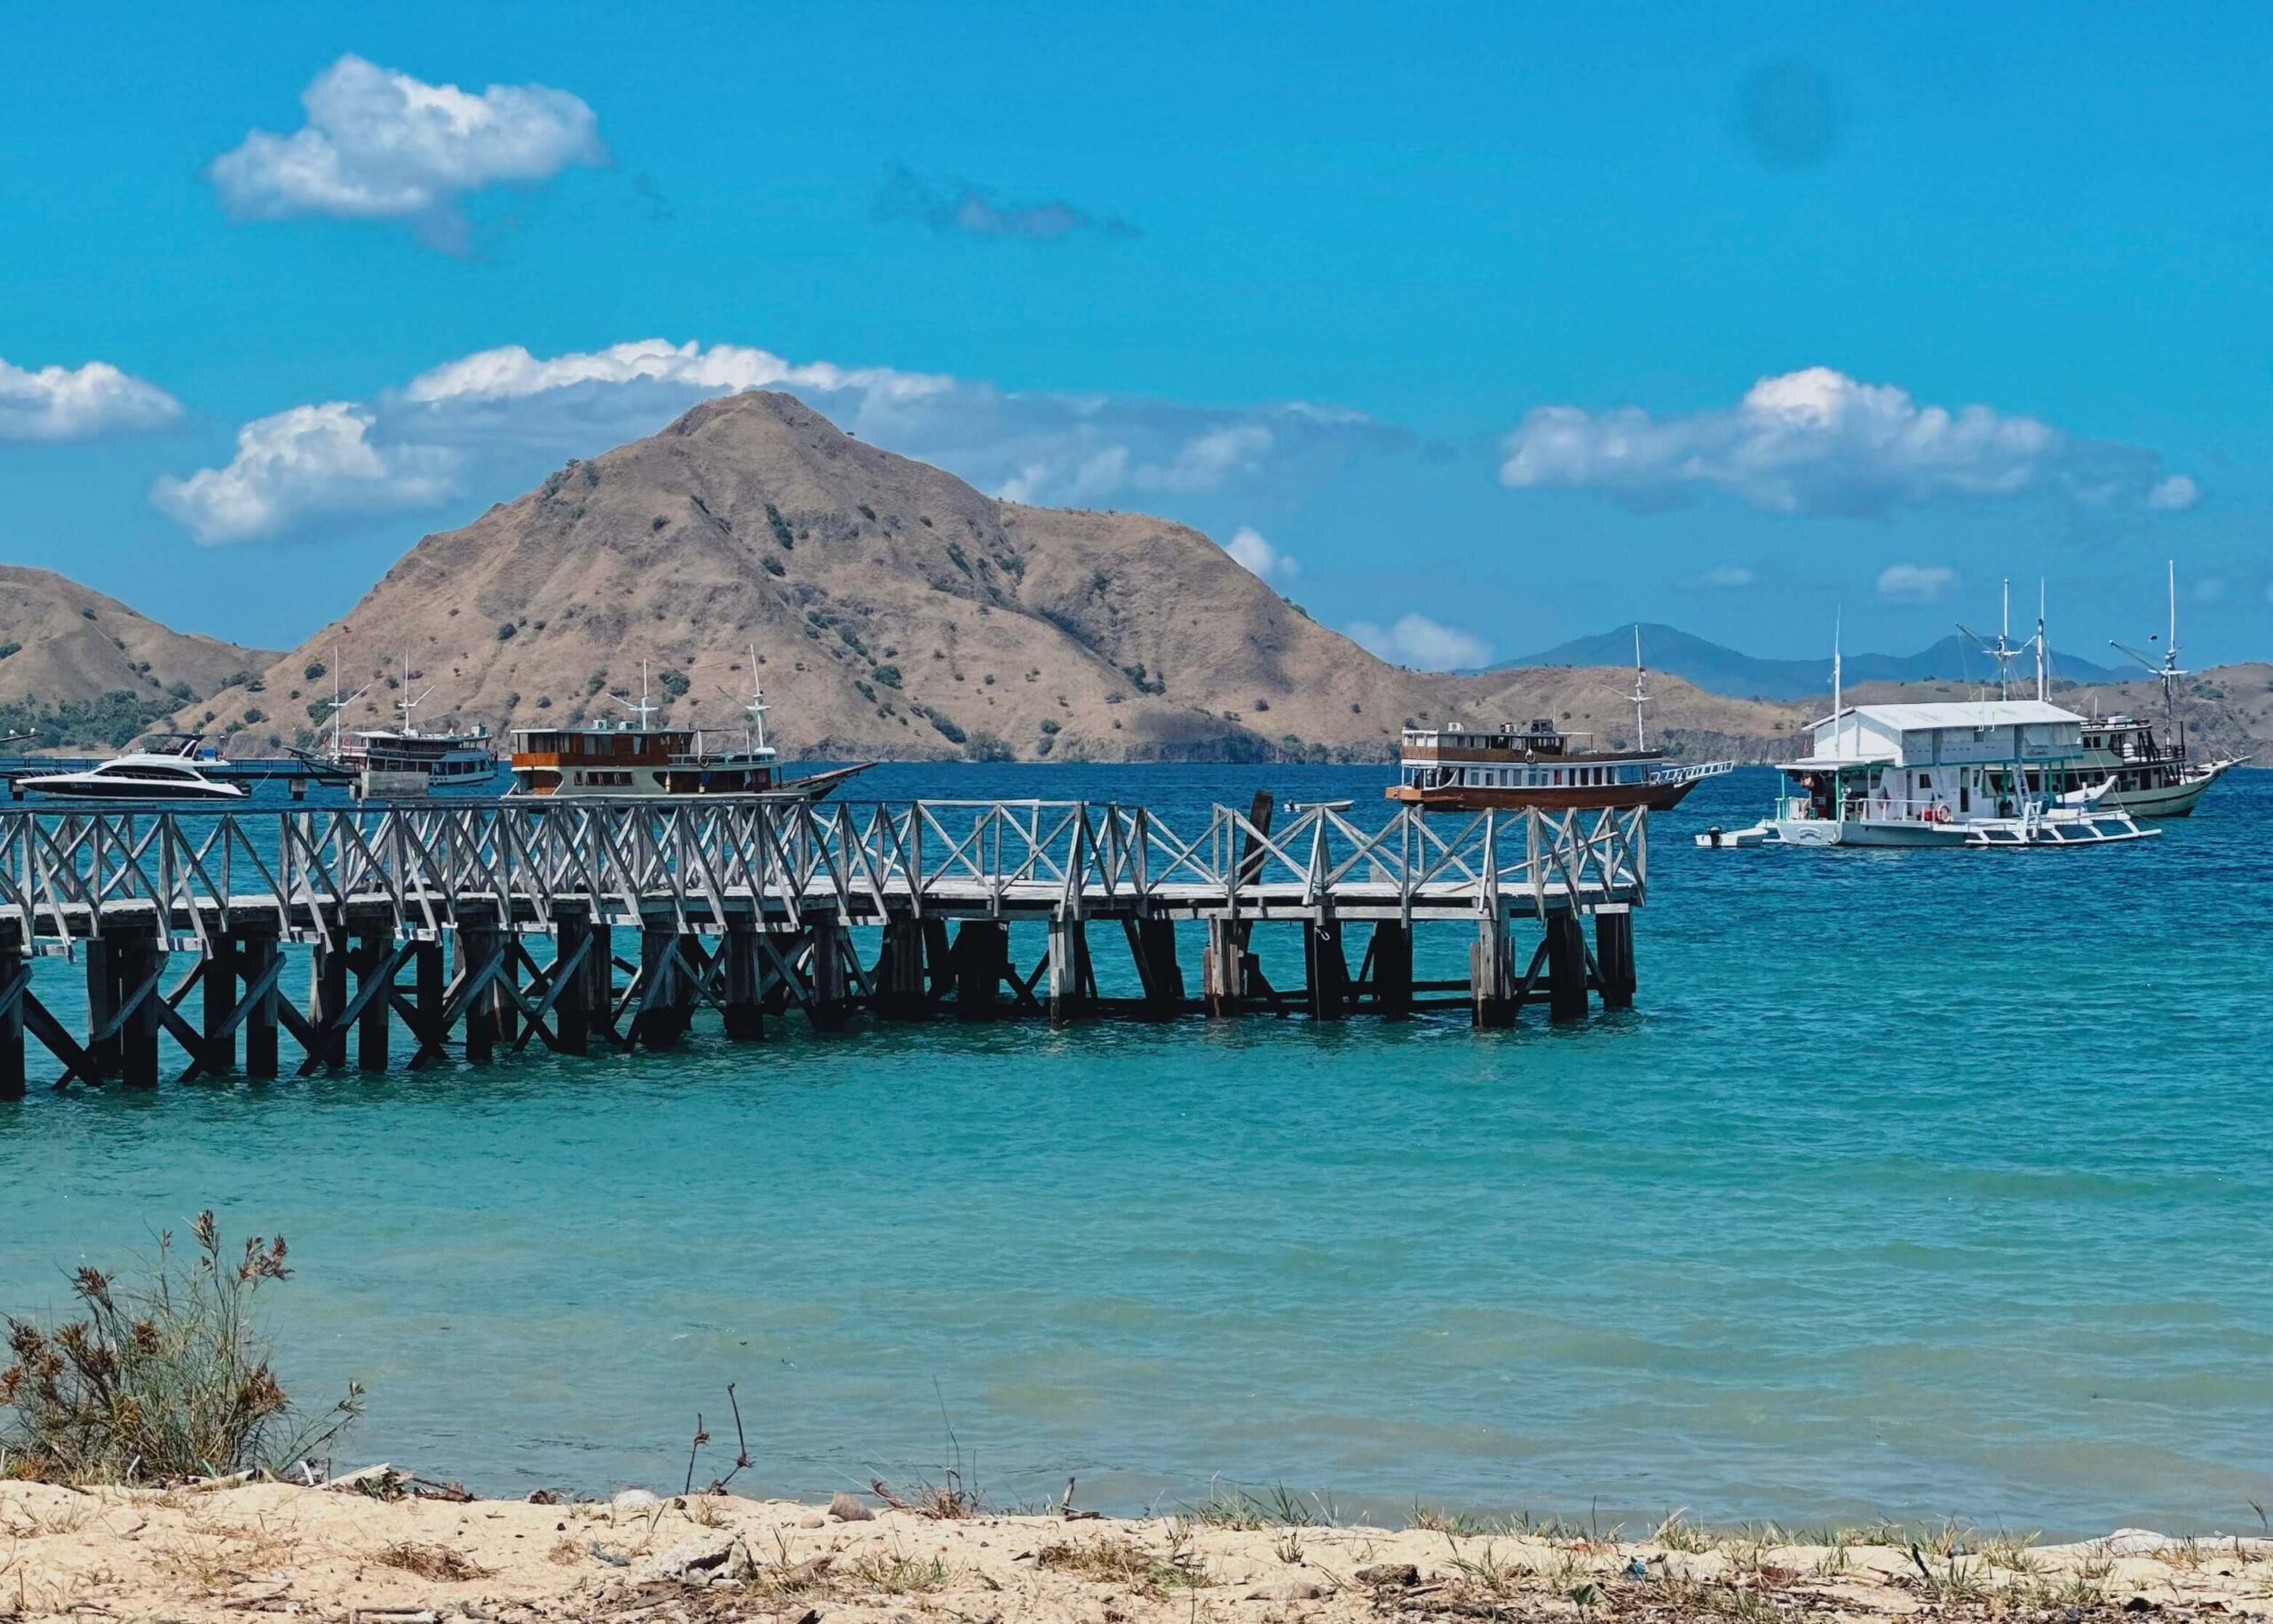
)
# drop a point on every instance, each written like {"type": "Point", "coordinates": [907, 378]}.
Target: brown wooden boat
{"type": "Point", "coordinates": [1474, 768]}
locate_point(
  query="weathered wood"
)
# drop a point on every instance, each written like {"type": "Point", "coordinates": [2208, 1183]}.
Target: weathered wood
{"type": "Point", "coordinates": [1614, 957]}
{"type": "Point", "coordinates": [328, 1000]}
{"type": "Point", "coordinates": [1225, 967]}
{"type": "Point", "coordinates": [1073, 981]}
{"type": "Point", "coordinates": [572, 934]}
{"type": "Point", "coordinates": [374, 960]}
{"type": "Point", "coordinates": [666, 992]}
{"type": "Point", "coordinates": [259, 961]}
{"type": "Point", "coordinates": [102, 958]}
{"type": "Point", "coordinates": [15, 983]}
{"type": "Point", "coordinates": [478, 955]}
{"type": "Point", "coordinates": [982, 956]}
{"type": "Point", "coordinates": [902, 992]}
{"type": "Point", "coordinates": [1326, 972]}
{"type": "Point", "coordinates": [829, 1008]}
{"type": "Point", "coordinates": [218, 1054]}
{"type": "Point", "coordinates": [1491, 977]}
{"type": "Point", "coordinates": [743, 1008]}
{"type": "Point", "coordinates": [1566, 968]}
{"type": "Point", "coordinates": [1151, 943]}
{"type": "Point", "coordinates": [1390, 956]}
{"type": "Point", "coordinates": [141, 961]}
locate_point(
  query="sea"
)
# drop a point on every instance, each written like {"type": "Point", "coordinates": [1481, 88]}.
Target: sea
{"type": "Point", "coordinates": [1917, 1185]}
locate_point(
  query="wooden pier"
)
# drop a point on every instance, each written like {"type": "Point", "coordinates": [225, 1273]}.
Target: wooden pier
{"type": "Point", "coordinates": [477, 928]}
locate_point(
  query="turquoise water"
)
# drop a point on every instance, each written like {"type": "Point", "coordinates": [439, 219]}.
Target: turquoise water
{"type": "Point", "coordinates": [1918, 1184]}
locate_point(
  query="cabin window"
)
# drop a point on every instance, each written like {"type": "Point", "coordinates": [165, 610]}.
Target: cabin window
{"type": "Point", "coordinates": [1924, 782]}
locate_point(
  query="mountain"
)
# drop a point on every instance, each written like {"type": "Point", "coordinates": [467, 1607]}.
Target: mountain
{"type": "Point", "coordinates": [81, 668]}
{"type": "Point", "coordinates": [1727, 670]}
{"type": "Point", "coordinates": [896, 612]}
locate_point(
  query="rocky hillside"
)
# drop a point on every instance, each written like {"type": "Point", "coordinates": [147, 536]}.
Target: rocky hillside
{"type": "Point", "coordinates": [895, 611]}
{"type": "Point", "coordinates": [83, 670]}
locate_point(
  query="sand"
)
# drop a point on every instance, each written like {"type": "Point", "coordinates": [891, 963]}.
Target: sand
{"type": "Point", "coordinates": [228, 1553]}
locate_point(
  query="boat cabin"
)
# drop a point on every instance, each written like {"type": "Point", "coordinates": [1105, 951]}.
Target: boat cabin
{"type": "Point", "coordinates": [1934, 762]}
{"type": "Point", "coordinates": [630, 760]}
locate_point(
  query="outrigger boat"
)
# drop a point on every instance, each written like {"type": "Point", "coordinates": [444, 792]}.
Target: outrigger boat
{"type": "Point", "coordinates": [1956, 773]}
{"type": "Point", "coordinates": [1474, 768]}
{"type": "Point", "coordinates": [633, 758]}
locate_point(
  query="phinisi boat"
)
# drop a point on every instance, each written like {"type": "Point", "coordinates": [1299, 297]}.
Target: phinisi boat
{"type": "Point", "coordinates": [2152, 778]}
{"type": "Point", "coordinates": [632, 757]}
{"type": "Point", "coordinates": [407, 761]}
{"type": "Point", "coordinates": [1471, 767]}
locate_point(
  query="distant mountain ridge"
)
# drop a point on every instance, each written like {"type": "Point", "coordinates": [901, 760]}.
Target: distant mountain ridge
{"type": "Point", "coordinates": [1719, 669]}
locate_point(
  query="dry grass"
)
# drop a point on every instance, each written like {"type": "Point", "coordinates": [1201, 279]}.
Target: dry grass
{"type": "Point", "coordinates": [436, 1562]}
{"type": "Point", "coordinates": [895, 1573]}
{"type": "Point", "coordinates": [160, 1378]}
{"type": "Point", "coordinates": [1119, 1559]}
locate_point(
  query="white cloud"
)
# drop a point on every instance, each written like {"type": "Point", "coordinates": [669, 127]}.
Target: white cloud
{"type": "Point", "coordinates": [79, 402]}
{"type": "Point", "coordinates": [1817, 441]}
{"type": "Point", "coordinates": [381, 144]}
{"type": "Point", "coordinates": [1728, 577]}
{"type": "Point", "coordinates": [2174, 495]}
{"type": "Point", "coordinates": [492, 424]}
{"type": "Point", "coordinates": [1259, 558]}
{"type": "Point", "coordinates": [1422, 644]}
{"type": "Point", "coordinates": [1916, 584]}
{"type": "Point", "coordinates": [2209, 589]}
{"type": "Point", "coordinates": [309, 460]}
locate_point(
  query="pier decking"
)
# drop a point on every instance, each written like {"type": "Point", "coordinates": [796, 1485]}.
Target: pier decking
{"type": "Point", "coordinates": [491, 925]}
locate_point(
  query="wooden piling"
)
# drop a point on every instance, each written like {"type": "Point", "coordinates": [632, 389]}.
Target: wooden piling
{"type": "Point", "coordinates": [1391, 953]}
{"type": "Point", "coordinates": [328, 1000]}
{"type": "Point", "coordinates": [1491, 976]}
{"type": "Point", "coordinates": [901, 990]}
{"type": "Point", "coordinates": [1223, 967]}
{"type": "Point", "coordinates": [15, 983]}
{"type": "Point", "coordinates": [218, 1052]}
{"type": "Point", "coordinates": [476, 949]}
{"type": "Point", "coordinates": [1152, 942]}
{"type": "Point", "coordinates": [982, 956]}
{"type": "Point", "coordinates": [1326, 972]}
{"type": "Point", "coordinates": [830, 1007]}
{"type": "Point", "coordinates": [258, 954]}
{"type": "Point", "coordinates": [666, 998]}
{"type": "Point", "coordinates": [572, 934]}
{"type": "Point", "coordinates": [1073, 981]}
{"type": "Point", "coordinates": [101, 957]}
{"type": "Point", "coordinates": [1614, 956]}
{"type": "Point", "coordinates": [430, 997]}
{"type": "Point", "coordinates": [374, 957]}
{"type": "Point", "coordinates": [745, 1012]}
{"type": "Point", "coordinates": [139, 960]}
{"type": "Point", "coordinates": [1566, 968]}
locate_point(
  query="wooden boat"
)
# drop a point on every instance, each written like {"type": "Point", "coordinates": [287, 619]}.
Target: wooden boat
{"type": "Point", "coordinates": [631, 759]}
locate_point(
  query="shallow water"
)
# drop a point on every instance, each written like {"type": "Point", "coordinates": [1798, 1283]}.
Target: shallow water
{"type": "Point", "coordinates": [1918, 1184]}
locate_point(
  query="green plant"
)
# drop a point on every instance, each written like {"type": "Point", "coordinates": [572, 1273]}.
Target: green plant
{"type": "Point", "coordinates": [165, 1378]}
{"type": "Point", "coordinates": [673, 683]}
{"type": "Point", "coordinates": [313, 670]}
{"type": "Point", "coordinates": [7, 649]}
{"type": "Point", "coordinates": [506, 631]}
{"type": "Point", "coordinates": [781, 525]}
{"type": "Point", "coordinates": [888, 675]}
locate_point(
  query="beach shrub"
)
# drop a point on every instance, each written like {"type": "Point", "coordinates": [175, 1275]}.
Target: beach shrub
{"type": "Point", "coordinates": [162, 1378]}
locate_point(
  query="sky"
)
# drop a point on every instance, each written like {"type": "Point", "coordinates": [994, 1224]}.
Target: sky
{"type": "Point", "coordinates": [1471, 329]}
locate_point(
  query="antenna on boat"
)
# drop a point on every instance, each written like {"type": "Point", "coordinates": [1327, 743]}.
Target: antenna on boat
{"type": "Point", "coordinates": [753, 735]}
{"type": "Point", "coordinates": [2167, 669]}
{"type": "Point", "coordinates": [1640, 695]}
{"type": "Point", "coordinates": [643, 709]}
{"type": "Point", "coordinates": [1838, 700]}
{"type": "Point", "coordinates": [2002, 651]}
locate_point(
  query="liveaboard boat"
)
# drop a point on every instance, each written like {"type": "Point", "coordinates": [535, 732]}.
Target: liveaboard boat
{"type": "Point", "coordinates": [2152, 780]}
{"type": "Point", "coordinates": [1960, 774]}
{"type": "Point", "coordinates": [404, 761]}
{"type": "Point", "coordinates": [632, 757]}
{"type": "Point", "coordinates": [1469, 767]}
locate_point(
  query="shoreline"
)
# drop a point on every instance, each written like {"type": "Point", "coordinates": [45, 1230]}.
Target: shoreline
{"type": "Point", "coordinates": [372, 1547]}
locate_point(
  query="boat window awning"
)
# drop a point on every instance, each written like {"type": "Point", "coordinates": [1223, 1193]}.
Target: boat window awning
{"type": "Point", "coordinates": [1825, 764]}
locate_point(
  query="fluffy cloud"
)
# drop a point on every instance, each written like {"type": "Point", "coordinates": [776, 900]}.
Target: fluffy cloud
{"type": "Point", "coordinates": [1916, 584]}
{"type": "Point", "coordinates": [491, 424]}
{"type": "Point", "coordinates": [1818, 443]}
{"type": "Point", "coordinates": [2174, 495]}
{"type": "Point", "coordinates": [381, 144]}
{"type": "Point", "coordinates": [309, 460]}
{"type": "Point", "coordinates": [1422, 644]}
{"type": "Point", "coordinates": [974, 211]}
{"type": "Point", "coordinates": [79, 402]}
{"type": "Point", "coordinates": [1259, 558]}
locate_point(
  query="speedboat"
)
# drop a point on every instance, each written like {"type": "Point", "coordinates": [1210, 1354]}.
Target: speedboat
{"type": "Point", "coordinates": [140, 775]}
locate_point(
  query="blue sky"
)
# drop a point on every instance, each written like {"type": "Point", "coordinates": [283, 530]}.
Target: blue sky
{"type": "Point", "coordinates": [1490, 326]}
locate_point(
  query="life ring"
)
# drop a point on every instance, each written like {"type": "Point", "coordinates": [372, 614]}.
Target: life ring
{"type": "Point", "coordinates": [1942, 812]}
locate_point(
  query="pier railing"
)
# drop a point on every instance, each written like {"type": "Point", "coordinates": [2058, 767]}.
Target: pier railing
{"type": "Point", "coordinates": [66, 871]}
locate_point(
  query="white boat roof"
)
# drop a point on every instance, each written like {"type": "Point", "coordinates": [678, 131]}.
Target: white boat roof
{"type": "Point", "coordinates": [1958, 713]}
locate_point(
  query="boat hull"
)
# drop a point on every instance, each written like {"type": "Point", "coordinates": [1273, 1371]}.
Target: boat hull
{"type": "Point", "coordinates": [1589, 797]}
{"type": "Point", "coordinates": [2164, 800]}
{"type": "Point", "coordinates": [127, 789]}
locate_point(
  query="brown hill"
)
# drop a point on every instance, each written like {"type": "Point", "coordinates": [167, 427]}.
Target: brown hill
{"type": "Point", "coordinates": [81, 668]}
{"type": "Point", "coordinates": [896, 612]}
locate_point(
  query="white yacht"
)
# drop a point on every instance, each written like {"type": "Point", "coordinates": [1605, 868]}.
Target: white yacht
{"type": "Point", "coordinates": [1960, 774]}
{"type": "Point", "coordinates": [140, 775]}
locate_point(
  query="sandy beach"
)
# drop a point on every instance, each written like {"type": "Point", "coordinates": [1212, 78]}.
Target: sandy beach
{"type": "Point", "coordinates": [344, 1554]}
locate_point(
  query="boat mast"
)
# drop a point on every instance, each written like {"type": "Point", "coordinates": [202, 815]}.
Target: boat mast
{"type": "Point", "coordinates": [1640, 696]}
{"type": "Point", "coordinates": [2042, 655]}
{"type": "Point", "coordinates": [755, 737]}
{"type": "Point", "coordinates": [409, 702]}
{"type": "Point", "coordinates": [2167, 669]}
